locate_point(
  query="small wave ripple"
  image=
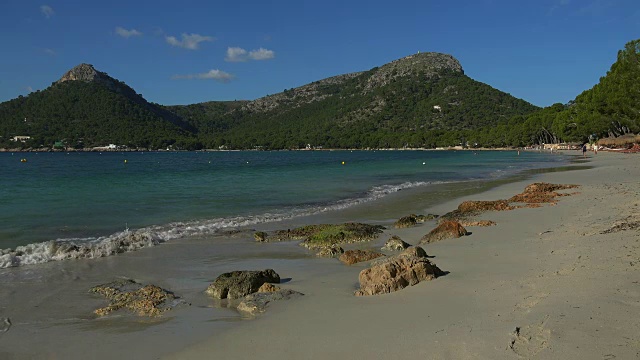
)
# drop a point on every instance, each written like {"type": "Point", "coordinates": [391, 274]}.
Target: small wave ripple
{"type": "Point", "coordinates": [132, 240]}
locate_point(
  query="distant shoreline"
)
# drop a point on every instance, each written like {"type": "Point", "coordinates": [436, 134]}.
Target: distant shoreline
{"type": "Point", "coordinates": [455, 148]}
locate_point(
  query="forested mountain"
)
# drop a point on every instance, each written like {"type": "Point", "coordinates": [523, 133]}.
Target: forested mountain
{"type": "Point", "coordinates": [422, 100]}
{"type": "Point", "coordinates": [408, 102]}
{"type": "Point", "coordinates": [610, 108]}
{"type": "Point", "coordinates": [88, 108]}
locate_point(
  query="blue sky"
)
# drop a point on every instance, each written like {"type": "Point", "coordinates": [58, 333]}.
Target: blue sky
{"type": "Point", "coordinates": [543, 51]}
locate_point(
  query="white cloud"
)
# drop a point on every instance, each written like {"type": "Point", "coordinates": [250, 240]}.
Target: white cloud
{"type": "Point", "coordinates": [261, 54]}
{"type": "Point", "coordinates": [50, 52]}
{"type": "Point", "coordinates": [237, 54]}
{"type": "Point", "coordinates": [127, 33]}
{"type": "Point", "coordinates": [189, 41]}
{"type": "Point", "coordinates": [214, 74]}
{"type": "Point", "coordinates": [29, 89]}
{"type": "Point", "coordinates": [47, 11]}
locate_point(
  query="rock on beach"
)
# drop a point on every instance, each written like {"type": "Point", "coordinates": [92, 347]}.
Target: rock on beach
{"type": "Point", "coordinates": [397, 272]}
{"type": "Point", "coordinates": [236, 284]}
{"type": "Point", "coordinates": [351, 257]}
{"type": "Point", "coordinates": [395, 243]}
{"type": "Point", "coordinates": [446, 230]}
{"type": "Point", "coordinates": [257, 303]}
{"type": "Point", "coordinates": [144, 300]}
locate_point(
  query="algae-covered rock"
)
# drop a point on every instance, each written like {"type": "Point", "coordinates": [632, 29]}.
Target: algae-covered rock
{"type": "Point", "coordinates": [406, 221]}
{"type": "Point", "coordinates": [328, 235]}
{"type": "Point", "coordinates": [397, 272]}
{"type": "Point", "coordinates": [351, 257]}
{"type": "Point", "coordinates": [236, 284]}
{"type": "Point", "coordinates": [395, 244]}
{"type": "Point", "coordinates": [260, 236]}
{"type": "Point", "coordinates": [144, 300]}
{"type": "Point", "coordinates": [299, 233]}
{"type": "Point", "coordinates": [446, 230]}
{"type": "Point", "coordinates": [322, 236]}
{"type": "Point", "coordinates": [257, 303]}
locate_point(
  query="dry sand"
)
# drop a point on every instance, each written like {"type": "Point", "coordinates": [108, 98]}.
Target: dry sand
{"type": "Point", "coordinates": [547, 283]}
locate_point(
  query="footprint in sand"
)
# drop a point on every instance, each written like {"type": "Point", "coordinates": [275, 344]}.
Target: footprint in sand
{"type": "Point", "coordinates": [531, 339]}
{"type": "Point", "coordinates": [530, 301]}
{"type": "Point", "coordinates": [5, 324]}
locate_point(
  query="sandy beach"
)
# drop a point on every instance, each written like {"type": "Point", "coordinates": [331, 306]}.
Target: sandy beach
{"type": "Point", "coordinates": [556, 282]}
{"type": "Point", "coordinates": [550, 283]}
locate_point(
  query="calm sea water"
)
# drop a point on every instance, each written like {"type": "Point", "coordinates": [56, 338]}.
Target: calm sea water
{"type": "Point", "coordinates": [98, 199]}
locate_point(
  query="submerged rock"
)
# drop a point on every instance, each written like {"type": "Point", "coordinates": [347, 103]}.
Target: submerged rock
{"type": "Point", "coordinates": [144, 300]}
{"type": "Point", "coordinates": [351, 257]}
{"type": "Point", "coordinates": [236, 284]}
{"type": "Point", "coordinates": [446, 230]}
{"type": "Point", "coordinates": [395, 244]}
{"type": "Point", "coordinates": [397, 272]}
{"type": "Point", "coordinates": [257, 302]}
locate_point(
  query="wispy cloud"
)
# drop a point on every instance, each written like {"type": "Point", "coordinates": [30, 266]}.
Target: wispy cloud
{"type": "Point", "coordinates": [47, 11]}
{"type": "Point", "coordinates": [29, 89]}
{"type": "Point", "coordinates": [189, 41]}
{"type": "Point", "coordinates": [557, 5]}
{"type": "Point", "coordinates": [127, 33]}
{"type": "Point", "coordinates": [49, 52]}
{"type": "Point", "coordinates": [237, 54]}
{"type": "Point", "coordinates": [214, 74]}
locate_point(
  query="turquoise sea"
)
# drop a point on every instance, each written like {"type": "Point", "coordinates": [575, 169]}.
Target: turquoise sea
{"type": "Point", "coordinates": [57, 206]}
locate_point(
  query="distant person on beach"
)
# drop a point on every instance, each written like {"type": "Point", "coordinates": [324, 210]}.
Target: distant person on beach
{"type": "Point", "coordinates": [584, 150]}
{"type": "Point", "coordinates": [595, 149]}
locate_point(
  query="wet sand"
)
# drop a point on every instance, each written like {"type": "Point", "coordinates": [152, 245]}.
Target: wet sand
{"type": "Point", "coordinates": [571, 291]}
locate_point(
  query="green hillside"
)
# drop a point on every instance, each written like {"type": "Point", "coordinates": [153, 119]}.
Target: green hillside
{"type": "Point", "coordinates": [93, 112]}
{"type": "Point", "coordinates": [410, 102]}
{"type": "Point", "coordinates": [422, 100]}
{"type": "Point", "coordinates": [610, 108]}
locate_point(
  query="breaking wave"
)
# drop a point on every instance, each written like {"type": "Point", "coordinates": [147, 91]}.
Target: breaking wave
{"type": "Point", "coordinates": [132, 240]}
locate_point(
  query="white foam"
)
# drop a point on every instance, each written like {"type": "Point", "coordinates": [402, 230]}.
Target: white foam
{"type": "Point", "coordinates": [125, 241]}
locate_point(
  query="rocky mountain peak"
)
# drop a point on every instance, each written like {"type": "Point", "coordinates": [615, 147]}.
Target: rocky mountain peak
{"type": "Point", "coordinates": [83, 72]}
{"type": "Point", "coordinates": [429, 64]}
